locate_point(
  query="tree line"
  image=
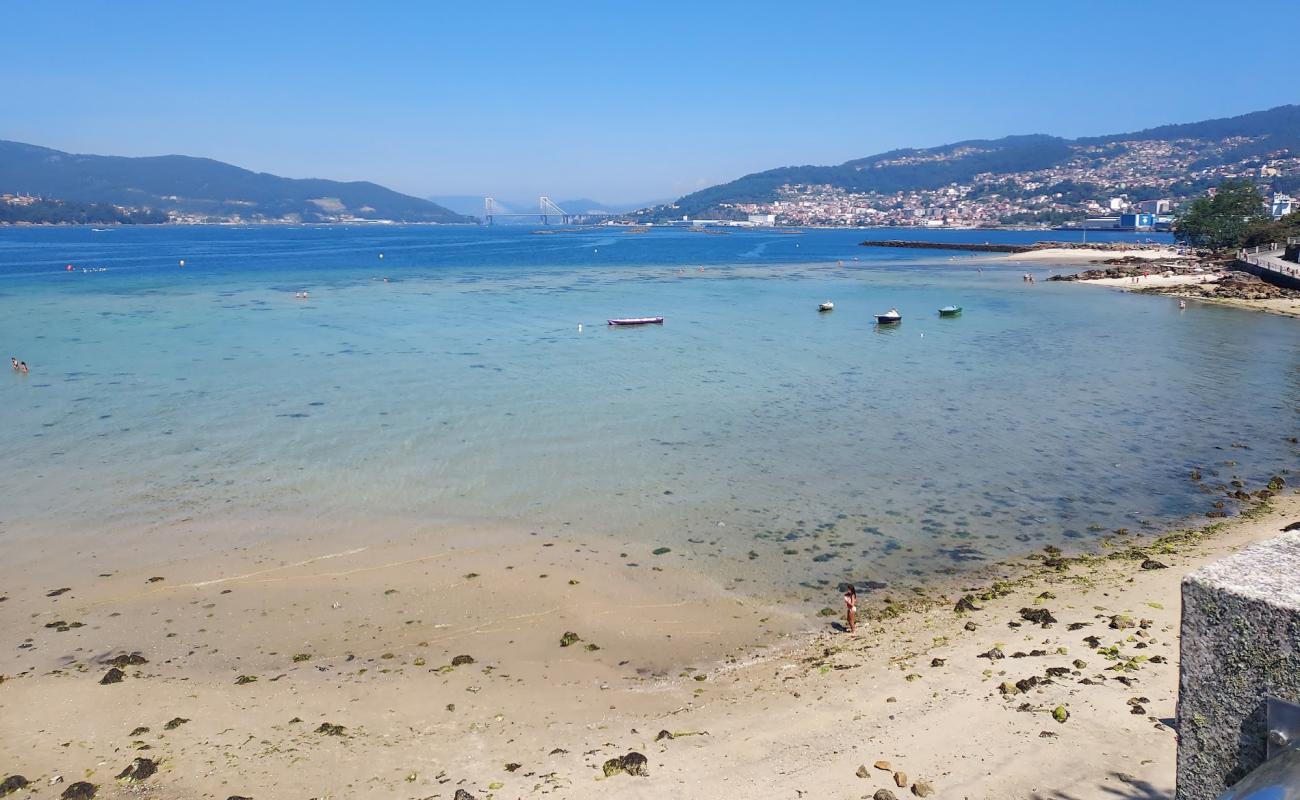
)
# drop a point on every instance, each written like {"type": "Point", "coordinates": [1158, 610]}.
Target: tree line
{"type": "Point", "coordinates": [60, 212]}
{"type": "Point", "coordinates": [1234, 216]}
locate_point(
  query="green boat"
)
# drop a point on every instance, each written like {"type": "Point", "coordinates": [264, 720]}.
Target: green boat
{"type": "Point", "coordinates": [950, 311]}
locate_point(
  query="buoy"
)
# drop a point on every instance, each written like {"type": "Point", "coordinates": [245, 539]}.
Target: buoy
{"type": "Point", "coordinates": [579, 327]}
{"type": "Point", "coordinates": [182, 262]}
{"type": "Point", "coordinates": [381, 255]}
{"type": "Point", "coordinates": [69, 268]}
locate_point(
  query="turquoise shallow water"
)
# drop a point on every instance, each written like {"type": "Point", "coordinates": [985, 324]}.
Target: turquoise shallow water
{"type": "Point", "coordinates": [748, 430]}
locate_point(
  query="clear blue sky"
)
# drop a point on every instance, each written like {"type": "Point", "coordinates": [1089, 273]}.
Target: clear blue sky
{"type": "Point", "coordinates": [617, 101]}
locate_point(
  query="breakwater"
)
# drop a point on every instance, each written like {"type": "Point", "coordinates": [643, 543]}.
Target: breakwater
{"type": "Point", "coordinates": [980, 248]}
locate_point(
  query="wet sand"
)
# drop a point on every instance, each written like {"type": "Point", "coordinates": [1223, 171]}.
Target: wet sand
{"type": "Point", "coordinates": [250, 657]}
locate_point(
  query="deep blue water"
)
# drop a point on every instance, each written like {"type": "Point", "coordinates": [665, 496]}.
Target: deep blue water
{"type": "Point", "coordinates": [461, 388]}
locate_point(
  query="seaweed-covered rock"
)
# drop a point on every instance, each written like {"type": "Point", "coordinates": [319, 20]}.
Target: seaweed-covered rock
{"type": "Point", "coordinates": [1151, 563]}
{"type": "Point", "coordinates": [569, 638]}
{"type": "Point", "coordinates": [883, 794]}
{"type": "Point", "coordinates": [330, 729]}
{"type": "Point", "coordinates": [13, 783]}
{"type": "Point", "coordinates": [1121, 621]}
{"type": "Point", "coordinates": [128, 660]}
{"type": "Point", "coordinates": [80, 790]}
{"type": "Point", "coordinates": [967, 603]}
{"type": "Point", "coordinates": [633, 764]}
{"type": "Point", "coordinates": [636, 764]}
{"type": "Point", "coordinates": [461, 660]}
{"type": "Point", "coordinates": [461, 794]}
{"type": "Point", "coordinates": [139, 770]}
{"type": "Point", "coordinates": [1039, 616]}
{"type": "Point", "coordinates": [114, 675]}
{"type": "Point", "coordinates": [174, 723]}
{"type": "Point", "coordinates": [993, 654]}
{"type": "Point", "coordinates": [659, 737]}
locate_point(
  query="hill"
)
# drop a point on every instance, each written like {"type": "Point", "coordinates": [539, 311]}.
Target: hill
{"type": "Point", "coordinates": [1016, 178]}
{"type": "Point", "coordinates": [199, 189]}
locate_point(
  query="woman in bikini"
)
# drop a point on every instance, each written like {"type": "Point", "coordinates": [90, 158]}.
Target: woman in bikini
{"type": "Point", "coordinates": [851, 608]}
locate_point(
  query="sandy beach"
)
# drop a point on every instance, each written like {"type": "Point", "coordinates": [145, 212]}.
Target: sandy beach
{"type": "Point", "coordinates": [1087, 255]}
{"type": "Point", "coordinates": [444, 668]}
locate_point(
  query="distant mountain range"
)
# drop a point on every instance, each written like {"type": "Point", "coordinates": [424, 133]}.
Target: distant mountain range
{"type": "Point", "coordinates": [1168, 161]}
{"type": "Point", "coordinates": [472, 204]}
{"type": "Point", "coordinates": [201, 189]}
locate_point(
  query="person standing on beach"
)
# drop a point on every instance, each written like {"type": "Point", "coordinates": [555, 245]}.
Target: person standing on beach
{"type": "Point", "coordinates": [851, 608]}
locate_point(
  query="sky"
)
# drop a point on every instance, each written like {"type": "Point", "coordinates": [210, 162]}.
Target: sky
{"type": "Point", "coordinates": [616, 101]}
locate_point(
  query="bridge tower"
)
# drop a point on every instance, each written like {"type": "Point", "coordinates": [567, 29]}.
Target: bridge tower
{"type": "Point", "coordinates": [549, 209]}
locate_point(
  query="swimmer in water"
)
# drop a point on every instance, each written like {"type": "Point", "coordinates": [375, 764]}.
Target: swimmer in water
{"type": "Point", "coordinates": [14, 361]}
{"type": "Point", "coordinates": [22, 367]}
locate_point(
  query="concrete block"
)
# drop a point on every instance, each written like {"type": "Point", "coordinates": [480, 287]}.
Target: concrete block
{"type": "Point", "coordinates": [1240, 644]}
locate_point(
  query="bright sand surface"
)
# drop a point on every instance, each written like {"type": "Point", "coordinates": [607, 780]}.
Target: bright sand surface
{"type": "Point", "coordinates": [363, 637]}
{"type": "Point", "coordinates": [1085, 255]}
{"type": "Point", "coordinates": [1149, 281]}
{"type": "Point", "coordinates": [1285, 306]}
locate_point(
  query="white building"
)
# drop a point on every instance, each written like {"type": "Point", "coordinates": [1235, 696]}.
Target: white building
{"type": "Point", "coordinates": [762, 219]}
{"type": "Point", "coordinates": [1283, 204]}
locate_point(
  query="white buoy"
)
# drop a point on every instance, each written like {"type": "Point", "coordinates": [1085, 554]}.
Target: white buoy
{"type": "Point", "coordinates": [381, 256]}
{"type": "Point", "coordinates": [182, 262]}
{"type": "Point", "coordinates": [579, 327]}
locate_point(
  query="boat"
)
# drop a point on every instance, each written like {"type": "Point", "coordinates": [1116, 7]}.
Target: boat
{"type": "Point", "coordinates": [637, 321]}
{"type": "Point", "coordinates": [827, 306]}
{"type": "Point", "coordinates": [950, 311]}
{"type": "Point", "coordinates": [889, 317]}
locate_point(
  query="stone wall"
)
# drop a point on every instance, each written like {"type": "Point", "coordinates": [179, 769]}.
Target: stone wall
{"type": "Point", "coordinates": [1240, 644]}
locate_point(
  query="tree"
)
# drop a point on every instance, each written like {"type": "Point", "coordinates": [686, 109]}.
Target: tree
{"type": "Point", "coordinates": [1222, 221]}
{"type": "Point", "coordinates": [1278, 230]}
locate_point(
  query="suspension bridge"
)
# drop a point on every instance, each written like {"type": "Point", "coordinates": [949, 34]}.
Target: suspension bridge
{"type": "Point", "coordinates": [545, 211]}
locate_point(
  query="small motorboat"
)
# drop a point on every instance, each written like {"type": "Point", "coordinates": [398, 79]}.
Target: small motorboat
{"type": "Point", "coordinates": [950, 311]}
{"type": "Point", "coordinates": [889, 317]}
{"type": "Point", "coordinates": [827, 306]}
{"type": "Point", "coordinates": [637, 321]}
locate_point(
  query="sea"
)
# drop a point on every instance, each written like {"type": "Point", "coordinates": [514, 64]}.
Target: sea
{"type": "Point", "coordinates": [442, 374]}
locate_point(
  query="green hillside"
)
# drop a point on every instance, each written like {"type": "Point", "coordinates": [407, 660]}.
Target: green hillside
{"type": "Point", "coordinates": [203, 187]}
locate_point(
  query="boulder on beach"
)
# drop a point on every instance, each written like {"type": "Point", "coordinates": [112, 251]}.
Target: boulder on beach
{"type": "Point", "coordinates": [81, 790]}
{"type": "Point", "coordinates": [13, 783]}
{"type": "Point", "coordinates": [114, 675]}
{"type": "Point", "coordinates": [139, 770]}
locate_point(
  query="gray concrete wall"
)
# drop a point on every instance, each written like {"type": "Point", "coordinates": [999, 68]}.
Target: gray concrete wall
{"type": "Point", "coordinates": [1273, 276]}
{"type": "Point", "coordinates": [1240, 644]}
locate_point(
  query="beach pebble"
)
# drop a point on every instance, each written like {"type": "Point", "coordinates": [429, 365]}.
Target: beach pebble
{"type": "Point", "coordinates": [882, 764]}
{"type": "Point", "coordinates": [883, 794]}
{"type": "Point", "coordinates": [900, 779]}
{"type": "Point", "coordinates": [1151, 563]}
{"type": "Point", "coordinates": [663, 735]}
{"type": "Point", "coordinates": [937, 662]}
{"type": "Point", "coordinates": [461, 794]}
{"type": "Point", "coordinates": [922, 789]}
{"type": "Point", "coordinates": [862, 771]}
